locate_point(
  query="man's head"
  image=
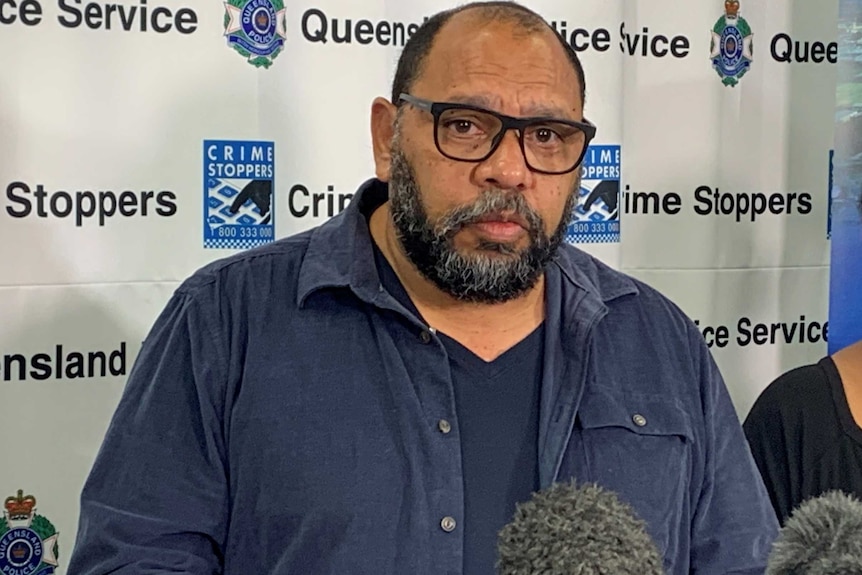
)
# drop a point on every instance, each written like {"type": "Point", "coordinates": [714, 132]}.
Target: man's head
{"type": "Point", "coordinates": [415, 53]}
{"type": "Point", "coordinates": [474, 206]}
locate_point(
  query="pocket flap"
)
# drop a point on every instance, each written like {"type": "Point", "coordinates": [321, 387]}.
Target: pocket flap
{"type": "Point", "coordinates": [639, 413]}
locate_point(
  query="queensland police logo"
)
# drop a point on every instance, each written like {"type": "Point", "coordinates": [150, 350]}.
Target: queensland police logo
{"type": "Point", "coordinates": [28, 542]}
{"type": "Point", "coordinates": [731, 50]}
{"type": "Point", "coordinates": [238, 193]}
{"type": "Point", "coordinates": [596, 218]}
{"type": "Point", "coordinates": [255, 29]}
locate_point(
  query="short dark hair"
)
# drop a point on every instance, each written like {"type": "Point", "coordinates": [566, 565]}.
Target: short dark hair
{"type": "Point", "coordinates": [412, 59]}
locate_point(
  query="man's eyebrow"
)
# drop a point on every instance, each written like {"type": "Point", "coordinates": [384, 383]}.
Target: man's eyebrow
{"type": "Point", "coordinates": [473, 100]}
{"type": "Point", "coordinates": [531, 110]}
{"type": "Point", "coordinates": [544, 110]}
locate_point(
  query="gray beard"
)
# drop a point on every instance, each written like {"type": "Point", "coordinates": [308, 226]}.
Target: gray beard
{"type": "Point", "coordinates": [495, 272]}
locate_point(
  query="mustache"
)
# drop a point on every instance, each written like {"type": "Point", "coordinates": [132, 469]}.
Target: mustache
{"type": "Point", "coordinates": [491, 202]}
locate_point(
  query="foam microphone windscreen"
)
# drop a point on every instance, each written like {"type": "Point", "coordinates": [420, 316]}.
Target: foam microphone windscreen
{"type": "Point", "coordinates": [823, 536]}
{"type": "Point", "coordinates": [576, 530]}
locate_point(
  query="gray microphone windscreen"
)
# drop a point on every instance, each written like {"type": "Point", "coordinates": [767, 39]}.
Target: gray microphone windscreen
{"type": "Point", "coordinates": [576, 530]}
{"type": "Point", "coordinates": [823, 536]}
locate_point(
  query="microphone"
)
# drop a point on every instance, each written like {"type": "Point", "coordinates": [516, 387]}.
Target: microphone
{"type": "Point", "coordinates": [823, 536]}
{"type": "Point", "coordinates": [571, 530]}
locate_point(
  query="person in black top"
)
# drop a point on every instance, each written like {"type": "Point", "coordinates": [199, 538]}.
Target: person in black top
{"type": "Point", "coordinates": [805, 431]}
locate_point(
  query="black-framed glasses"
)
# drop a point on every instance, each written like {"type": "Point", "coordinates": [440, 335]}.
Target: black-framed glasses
{"type": "Point", "coordinates": [472, 134]}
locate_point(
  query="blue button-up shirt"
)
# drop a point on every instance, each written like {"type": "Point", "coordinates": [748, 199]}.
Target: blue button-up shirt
{"type": "Point", "coordinates": [284, 417]}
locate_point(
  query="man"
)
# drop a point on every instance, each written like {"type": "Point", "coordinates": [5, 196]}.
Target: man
{"type": "Point", "coordinates": [375, 395]}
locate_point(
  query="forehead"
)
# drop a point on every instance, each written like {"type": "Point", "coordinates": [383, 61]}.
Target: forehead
{"type": "Point", "coordinates": [502, 64]}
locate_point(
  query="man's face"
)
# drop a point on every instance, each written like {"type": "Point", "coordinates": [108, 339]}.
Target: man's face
{"type": "Point", "coordinates": [483, 231]}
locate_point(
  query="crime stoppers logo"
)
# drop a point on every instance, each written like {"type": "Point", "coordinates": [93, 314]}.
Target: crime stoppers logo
{"type": "Point", "coordinates": [238, 199]}
{"type": "Point", "coordinates": [255, 29]}
{"type": "Point", "coordinates": [731, 50]}
{"type": "Point", "coordinates": [596, 218]}
{"type": "Point", "coordinates": [28, 542]}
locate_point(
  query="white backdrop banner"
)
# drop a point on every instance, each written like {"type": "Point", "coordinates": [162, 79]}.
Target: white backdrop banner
{"type": "Point", "coordinates": [142, 140]}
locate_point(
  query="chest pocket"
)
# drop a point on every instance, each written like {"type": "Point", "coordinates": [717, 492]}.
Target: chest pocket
{"type": "Point", "coordinates": [639, 446]}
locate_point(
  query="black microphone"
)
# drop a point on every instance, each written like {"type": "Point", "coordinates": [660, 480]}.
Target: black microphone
{"type": "Point", "coordinates": [823, 536]}
{"type": "Point", "coordinates": [576, 530]}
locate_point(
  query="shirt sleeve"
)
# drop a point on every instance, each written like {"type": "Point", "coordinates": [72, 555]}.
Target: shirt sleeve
{"type": "Point", "coordinates": [156, 499]}
{"type": "Point", "coordinates": [734, 524]}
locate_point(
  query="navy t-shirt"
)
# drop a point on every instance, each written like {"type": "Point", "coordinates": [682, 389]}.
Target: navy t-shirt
{"type": "Point", "coordinates": [497, 405]}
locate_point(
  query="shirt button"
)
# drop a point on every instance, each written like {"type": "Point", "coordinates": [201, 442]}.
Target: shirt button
{"type": "Point", "coordinates": [448, 524]}
{"type": "Point", "coordinates": [425, 337]}
{"type": "Point", "coordinates": [639, 419]}
{"type": "Point", "coordinates": [444, 426]}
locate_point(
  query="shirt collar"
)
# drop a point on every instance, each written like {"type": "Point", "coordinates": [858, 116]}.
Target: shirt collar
{"type": "Point", "coordinates": [340, 254]}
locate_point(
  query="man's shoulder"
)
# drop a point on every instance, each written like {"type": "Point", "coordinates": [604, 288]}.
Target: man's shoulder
{"type": "Point", "coordinates": [322, 255]}
{"type": "Point", "coordinates": [281, 257]}
{"type": "Point", "coordinates": [618, 290]}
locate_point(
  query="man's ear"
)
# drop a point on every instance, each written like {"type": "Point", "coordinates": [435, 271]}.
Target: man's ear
{"type": "Point", "coordinates": [382, 130]}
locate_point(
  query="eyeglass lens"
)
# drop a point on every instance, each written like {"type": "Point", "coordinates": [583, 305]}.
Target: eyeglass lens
{"type": "Point", "coordinates": [549, 146]}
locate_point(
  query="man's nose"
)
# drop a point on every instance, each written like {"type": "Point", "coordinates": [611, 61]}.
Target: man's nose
{"type": "Point", "coordinates": [507, 167]}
